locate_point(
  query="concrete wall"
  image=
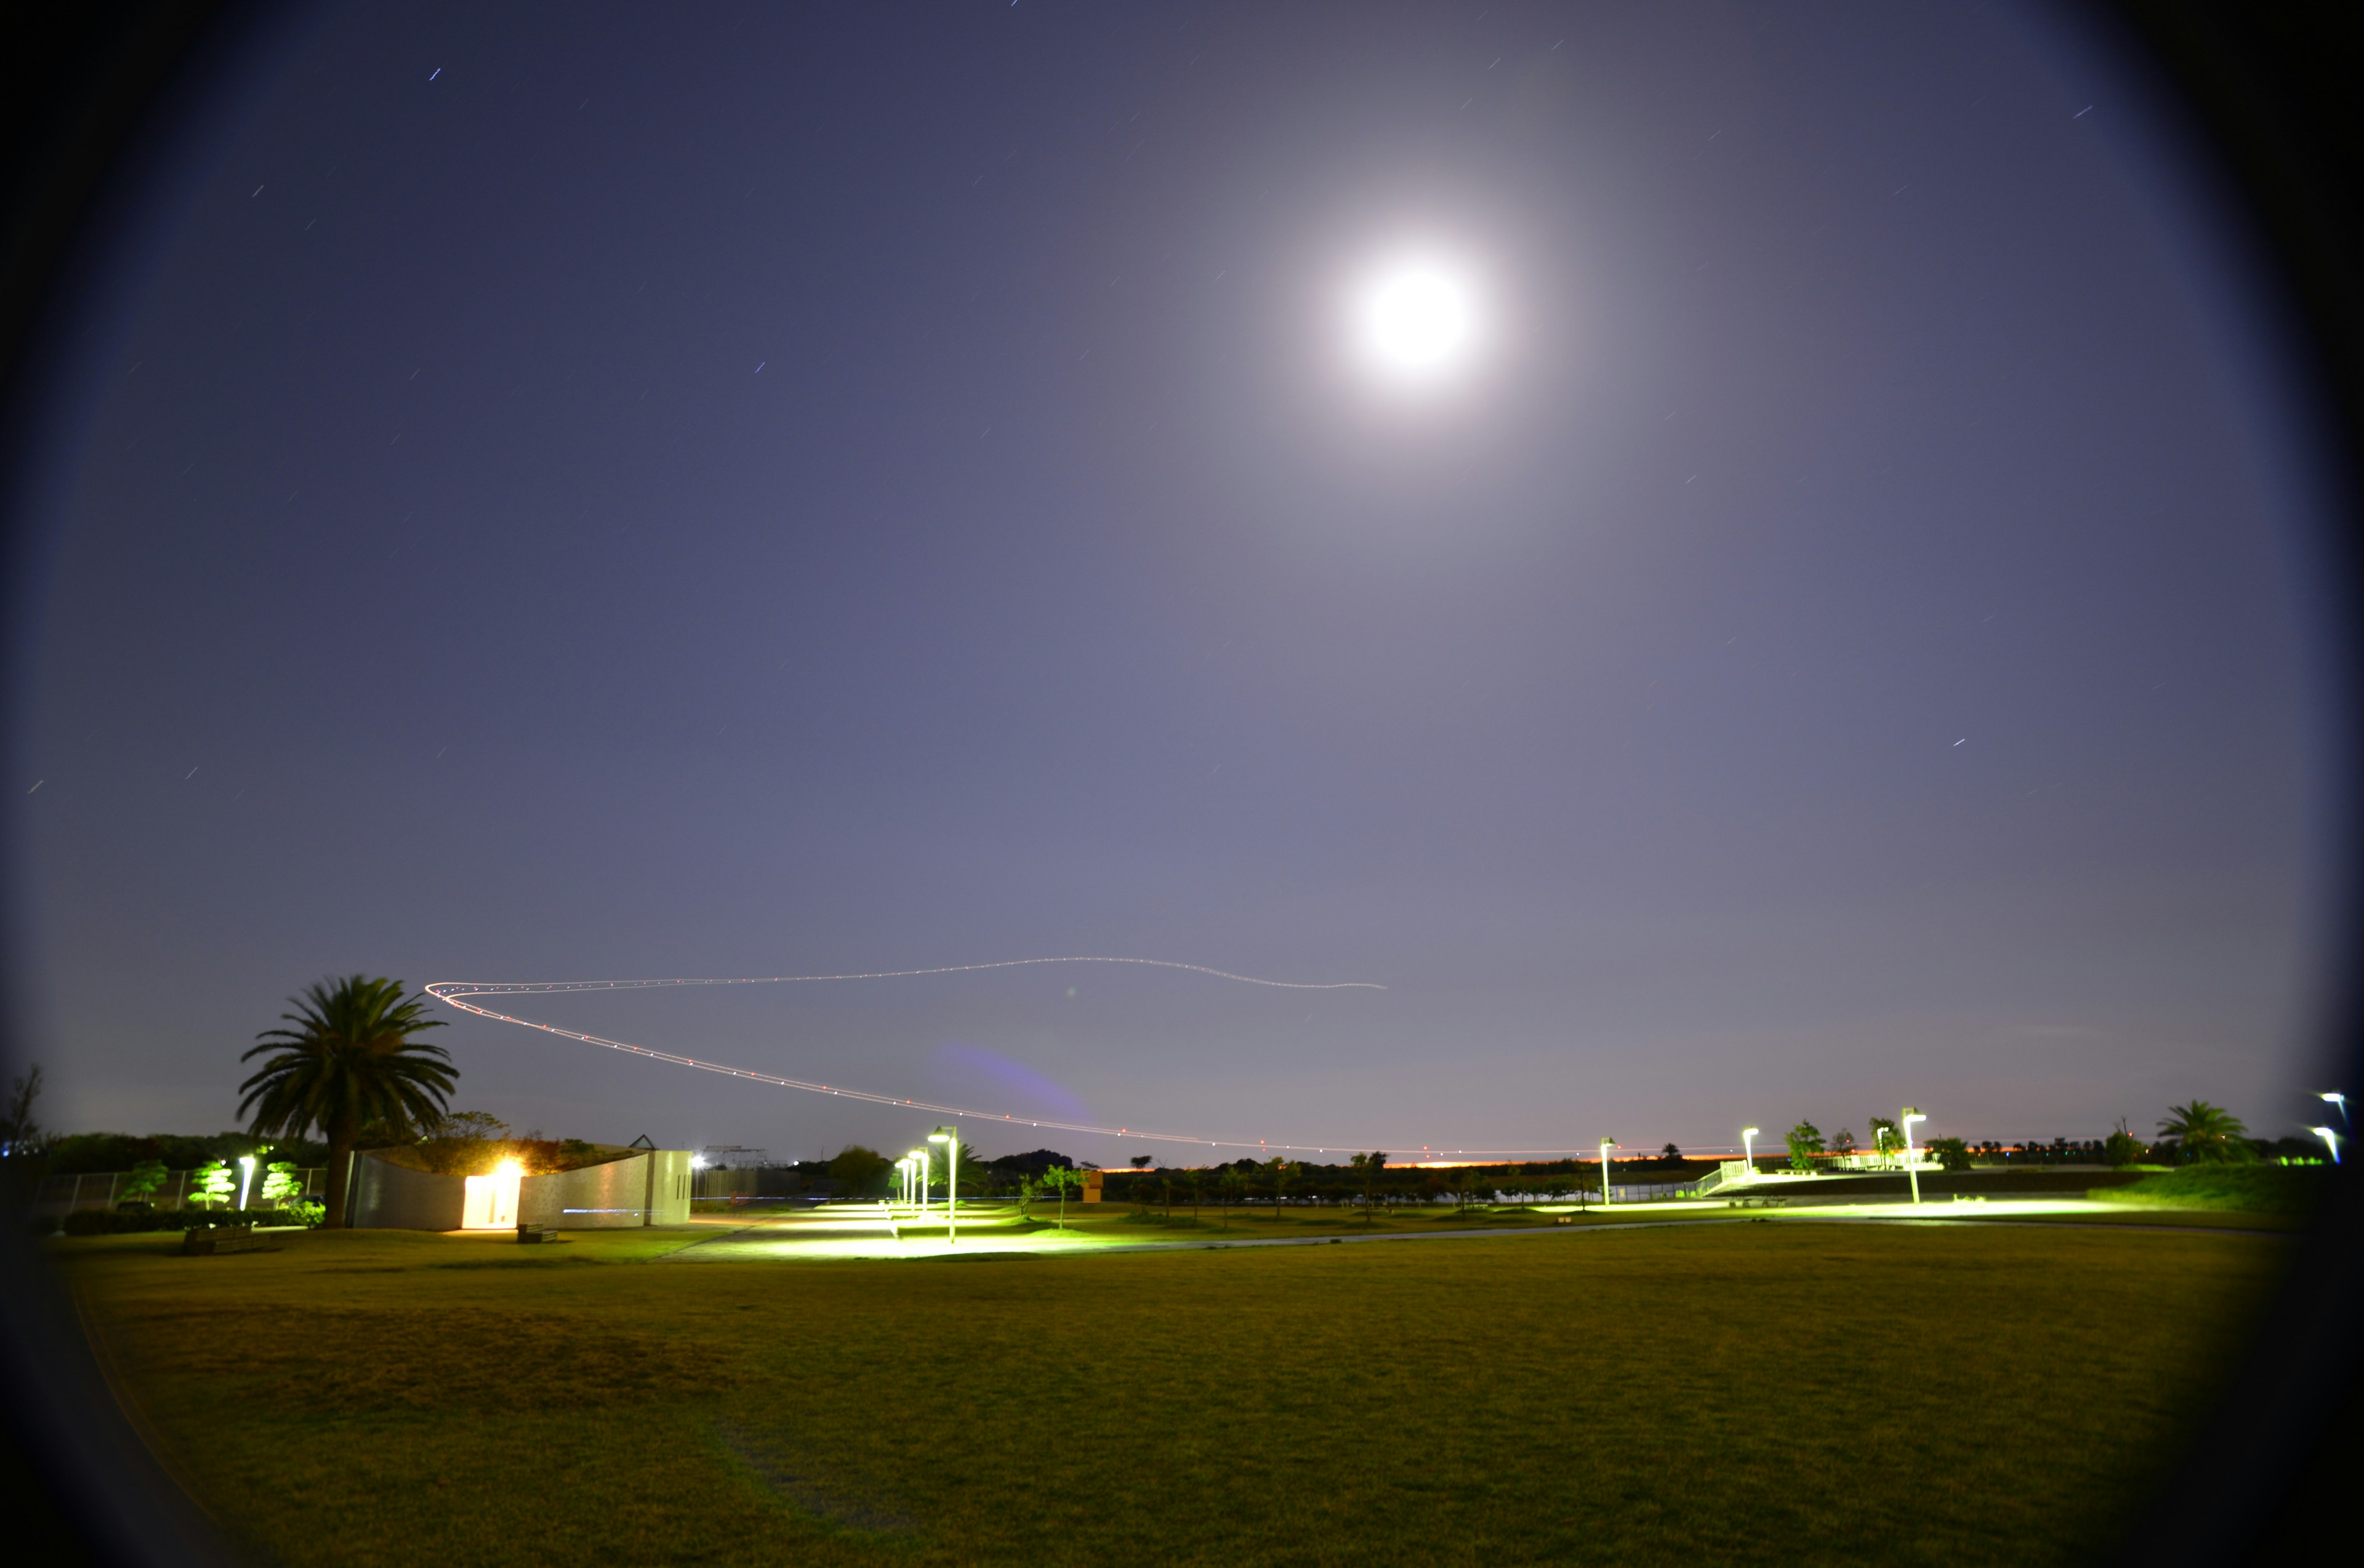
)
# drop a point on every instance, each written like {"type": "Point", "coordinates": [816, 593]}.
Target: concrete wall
{"type": "Point", "coordinates": [646, 1189]}
{"type": "Point", "coordinates": [387, 1196]}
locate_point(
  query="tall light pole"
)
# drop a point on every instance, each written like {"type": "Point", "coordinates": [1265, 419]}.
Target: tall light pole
{"type": "Point", "coordinates": [2330, 1136]}
{"type": "Point", "coordinates": [950, 1138]}
{"type": "Point", "coordinates": [245, 1177]}
{"type": "Point", "coordinates": [1606, 1145]}
{"type": "Point", "coordinates": [2334, 1098]}
{"type": "Point", "coordinates": [1911, 1170]}
{"type": "Point", "coordinates": [1748, 1142]}
{"type": "Point", "coordinates": [920, 1155]}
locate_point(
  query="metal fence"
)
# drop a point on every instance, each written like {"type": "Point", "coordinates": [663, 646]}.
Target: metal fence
{"type": "Point", "coordinates": [104, 1189]}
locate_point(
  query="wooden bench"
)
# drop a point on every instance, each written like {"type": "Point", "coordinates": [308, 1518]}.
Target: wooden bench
{"type": "Point", "coordinates": [214, 1239]}
{"type": "Point", "coordinates": [535, 1235]}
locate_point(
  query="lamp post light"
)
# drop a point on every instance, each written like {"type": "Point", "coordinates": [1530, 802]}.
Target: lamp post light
{"type": "Point", "coordinates": [2330, 1136]}
{"type": "Point", "coordinates": [2334, 1098]}
{"type": "Point", "coordinates": [920, 1157]}
{"type": "Point", "coordinates": [1748, 1143]}
{"type": "Point", "coordinates": [1606, 1145]}
{"type": "Point", "coordinates": [949, 1138]}
{"type": "Point", "coordinates": [245, 1177]}
{"type": "Point", "coordinates": [1912, 1171]}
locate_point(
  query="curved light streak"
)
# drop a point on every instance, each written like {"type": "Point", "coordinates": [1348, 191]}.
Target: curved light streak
{"type": "Point", "coordinates": [456, 994]}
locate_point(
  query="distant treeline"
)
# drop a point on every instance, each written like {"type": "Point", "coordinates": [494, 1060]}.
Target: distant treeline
{"type": "Point", "coordinates": [79, 1153]}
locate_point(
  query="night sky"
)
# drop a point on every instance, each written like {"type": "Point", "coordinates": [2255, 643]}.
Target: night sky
{"type": "Point", "coordinates": [588, 493]}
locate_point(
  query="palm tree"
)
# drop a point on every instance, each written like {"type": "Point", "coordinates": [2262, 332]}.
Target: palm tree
{"type": "Point", "coordinates": [2202, 1131]}
{"type": "Point", "coordinates": [348, 1061]}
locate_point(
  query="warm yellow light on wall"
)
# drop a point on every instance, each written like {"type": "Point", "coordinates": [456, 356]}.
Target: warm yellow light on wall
{"type": "Point", "coordinates": [492, 1201]}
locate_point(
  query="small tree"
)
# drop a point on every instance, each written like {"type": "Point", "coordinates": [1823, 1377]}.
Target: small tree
{"type": "Point", "coordinates": [212, 1183]}
{"type": "Point", "coordinates": [1279, 1173]}
{"type": "Point", "coordinates": [1370, 1164]}
{"type": "Point", "coordinates": [1805, 1142]}
{"type": "Point", "coordinates": [1672, 1153]}
{"type": "Point", "coordinates": [1059, 1178]}
{"type": "Point", "coordinates": [1230, 1187]}
{"type": "Point", "coordinates": [1141, 1161]}
{"type": "Point", "coordinates": [1843, 1142]}
{"type": "Point", "coordinates": [2122, 1148]}
{"type": "Point", "coordinates": [1952, 1154]}
{"type": "Point", "coordinates": [143, 1180]}
{"type": "Point", "coordinates": [282, 1185]}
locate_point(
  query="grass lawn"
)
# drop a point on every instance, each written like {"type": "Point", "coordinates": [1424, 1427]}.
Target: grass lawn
{"type": "Point", "coordinates": [1736, 1392]}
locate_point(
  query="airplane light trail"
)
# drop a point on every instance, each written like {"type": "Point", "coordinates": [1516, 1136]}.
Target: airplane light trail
{"type": "Point", "coordinates": [454, 992]}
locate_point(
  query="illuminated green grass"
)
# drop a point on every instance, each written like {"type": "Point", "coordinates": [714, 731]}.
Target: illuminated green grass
{"type": "Point", "coordinates": [1740, 1393]}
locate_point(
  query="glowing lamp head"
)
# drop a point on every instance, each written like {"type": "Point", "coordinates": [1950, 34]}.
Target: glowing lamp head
{"type": "Point", "coordinates": [1750, 1131]}
{"type": "Point", "coordinates": [508, 1168]}
{"type": "Point", "coordinates": [1416, 321]}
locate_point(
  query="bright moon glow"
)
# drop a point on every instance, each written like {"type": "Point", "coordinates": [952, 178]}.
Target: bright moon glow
{"type": "Point", "coordinates": [1417, 321]}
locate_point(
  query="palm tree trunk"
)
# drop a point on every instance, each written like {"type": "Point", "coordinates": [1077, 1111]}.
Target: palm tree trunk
{"type": "Point", "coordinates": [340, 1162]}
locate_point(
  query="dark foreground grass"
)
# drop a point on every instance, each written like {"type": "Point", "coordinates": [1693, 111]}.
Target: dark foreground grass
{"type": "Point", "coordinates": [1731, 1393]}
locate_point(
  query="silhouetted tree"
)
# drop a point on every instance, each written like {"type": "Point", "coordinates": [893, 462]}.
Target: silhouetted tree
{"type": "Point", "coordinates": [2122, 1148]}
{"type": "Point", "coordinates": [855, 1170]}
{"type": "Point", "coordinates": [1278, 1173]}
{"type": "Point", "coordinates": [348, 1060]}
{"type": "Point", "coordinates": [1952, 1154]}
{"type": "Point", "coordinates": [1370, 1164]}
{"type": "Point", "coordinates": [2206, 1133]}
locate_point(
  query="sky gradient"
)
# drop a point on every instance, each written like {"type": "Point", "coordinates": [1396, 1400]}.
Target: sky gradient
{"type": "Point", "coordinates": [586, 493]}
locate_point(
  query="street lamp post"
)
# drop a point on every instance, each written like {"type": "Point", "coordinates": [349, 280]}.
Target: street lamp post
{"type": "Point", "coordinates": [1748, 1143]}
{"type": "Point", "coordinates": [1912, 1171]}
{"type": "Point", "coordinates": [950, 1138]}
{"type": "Point", "coordinates": [920, 1155]}
{"type": "Point", "coordinates": [1606, 1145]}
{"type": "Point", "coordinates": [2334, 1098]}
{"type": "Point", "coordinates": [245, 1177]}
{"type": "Point", "coordinates": [2330, 1136]}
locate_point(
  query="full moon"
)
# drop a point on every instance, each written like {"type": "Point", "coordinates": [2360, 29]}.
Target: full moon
{"type": "Point", "coordinates": [1416, 320]}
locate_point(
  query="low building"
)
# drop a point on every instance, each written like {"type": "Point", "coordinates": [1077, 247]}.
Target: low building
{"type": "Point", "coordinates": [637, 1186]}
